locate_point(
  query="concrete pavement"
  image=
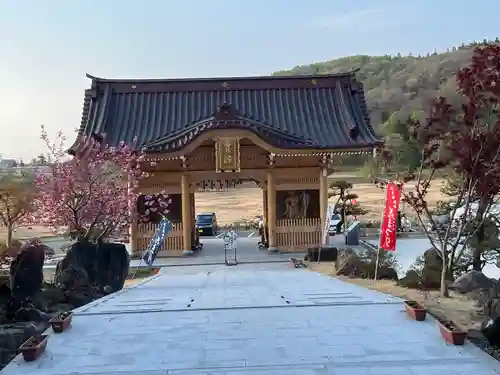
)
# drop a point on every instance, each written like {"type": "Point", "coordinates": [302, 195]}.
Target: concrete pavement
{"type": "Point", "coordinates": [261, 318]}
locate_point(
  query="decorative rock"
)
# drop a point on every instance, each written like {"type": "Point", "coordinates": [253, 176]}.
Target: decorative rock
{"type": "Point", "coordinates": [350, 263]}
{"type": "Point", "coordinates": [472, 281]}
{"type": "Point", "coordinates": [429, 278]}
{"type": "Point", "coordinates": [327, 254]}
{"type": "Point", "coordinates": [72, 278]}
{"type": "Point", "coordinates": [80, 256]}
{"type": "Point", "coordinates": [113, 262]}
{"type": "Point", "coordinates": [26, 271]}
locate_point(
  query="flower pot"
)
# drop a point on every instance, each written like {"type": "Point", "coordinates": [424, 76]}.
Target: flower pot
{"type": "Point", "coordinates": [61, 321]}
{"type": "Point", "coordinates": [33, 347]}
{"type": "Point", "coordinates": [451, 333]}
{"type": "Point", "coordinates": [415, 310]}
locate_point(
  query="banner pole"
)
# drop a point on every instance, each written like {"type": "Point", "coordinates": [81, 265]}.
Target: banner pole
{"type": "Point", "coordinates": [380, 237]}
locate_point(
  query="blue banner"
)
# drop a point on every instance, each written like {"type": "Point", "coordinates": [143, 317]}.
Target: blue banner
{"type": "Point", "coordinates": [156, 242]}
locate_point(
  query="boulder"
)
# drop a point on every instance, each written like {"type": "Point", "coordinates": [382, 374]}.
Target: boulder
{"type": "Point", "coordinates": [349, 263]}
{"type": "Point", "coordinates": [81, 257]}
{"type": "Point", "coordinates": [431, 271]}
{"type": "Point", "coordinates": [26, 271]}
{"type": "Point", "coordinates": [327, 254]}
{"type": "Point", "coordinates": [384, 273]}
{"type": "Point", "coordinates": [113, 261]}
{"type": "Point", "coordinates": [412, 279]}
{"type": "Point", "coordinates": [427, 276]}
{"type": "Point", "coordinates": [472, 281]}
{"type": "Point", "coordinates": [73, 277]}
{"type": "Point", "coordinates": [102, 268]}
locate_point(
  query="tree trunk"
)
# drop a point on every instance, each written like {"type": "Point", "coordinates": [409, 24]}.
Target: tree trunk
{"type": "Point", "coordinates": [10, 230]}
{"type": "Point", "coordinates": [476, 252]}
{"type": "Point", "coordinates": [444, 278]}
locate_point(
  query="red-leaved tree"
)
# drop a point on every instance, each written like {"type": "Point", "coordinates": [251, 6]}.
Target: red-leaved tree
{"type": "Point", "coordinates": [93, 193]}
{"type": "Point", "coordinates": [467, 141]}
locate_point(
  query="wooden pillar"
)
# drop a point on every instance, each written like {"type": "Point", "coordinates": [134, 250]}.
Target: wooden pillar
{"type": "Point", "coordinates": [323, 199]}
{"type": "Point", "coordinates": [187, 225]}
{"type": "Point", "coordinates": [271, 211]}
{"type": "Point", "coordinates": [264, 211]}
{"type": "Point", "coordinates": [192, 207]}
{"type": "Point", "coordinates": [264, 205]}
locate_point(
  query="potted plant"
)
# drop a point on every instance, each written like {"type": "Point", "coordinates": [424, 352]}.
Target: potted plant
{"type": "Point", "coordinates": [415, 310]}
{"type": "Point", "coordinates": [61, 321]}
{"type": "Point", "coordinates": [33, 347]}
{"type": "Point", "coordinates": [451, 333]}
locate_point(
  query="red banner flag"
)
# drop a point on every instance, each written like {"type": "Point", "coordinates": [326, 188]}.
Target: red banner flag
{"type": "Point", "coordinates": [389, 226]}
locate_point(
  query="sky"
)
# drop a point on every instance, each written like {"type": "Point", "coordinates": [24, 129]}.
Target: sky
{"type": "Point", "coordinates": [47, 46]}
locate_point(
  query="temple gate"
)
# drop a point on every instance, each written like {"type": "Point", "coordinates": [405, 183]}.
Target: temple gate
{"type": "Point", "coordinates": [281, 132]}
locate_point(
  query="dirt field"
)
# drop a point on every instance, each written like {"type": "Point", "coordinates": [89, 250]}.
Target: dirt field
{"type": "Point", "coordinates": [457, 308]}
{"type": "Point", "coordinates": [25, 233]}
{"type": "Point", "coordinates": [245, 202]}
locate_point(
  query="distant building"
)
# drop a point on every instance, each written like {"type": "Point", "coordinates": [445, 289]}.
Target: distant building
{"type": "Point", "coordinates": [7, 163]}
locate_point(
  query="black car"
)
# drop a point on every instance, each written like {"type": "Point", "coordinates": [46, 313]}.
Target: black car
{"type": "Point", "coordinates": [206, 224]}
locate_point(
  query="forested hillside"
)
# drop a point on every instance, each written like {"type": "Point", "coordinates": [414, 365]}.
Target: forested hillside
{"type": "Point", "coordinates": [396, 88]}
{"type": "Point", "coordinates": [398, 85]}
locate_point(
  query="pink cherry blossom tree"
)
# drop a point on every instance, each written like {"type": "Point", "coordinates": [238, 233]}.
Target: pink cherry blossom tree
{"type": "Point", "coordinates": [93, 193]}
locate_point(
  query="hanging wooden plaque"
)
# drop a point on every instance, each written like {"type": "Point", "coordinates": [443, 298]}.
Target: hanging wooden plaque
{"type": "Point", "coordinates": [227, 154]}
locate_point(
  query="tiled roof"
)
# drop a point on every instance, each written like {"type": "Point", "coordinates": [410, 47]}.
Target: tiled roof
{"type": "Point", "coordinates": [320, 112]}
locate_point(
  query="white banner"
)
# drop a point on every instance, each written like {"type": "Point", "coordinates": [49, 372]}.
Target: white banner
{"type": "Point", "coordinates": [328, 219]}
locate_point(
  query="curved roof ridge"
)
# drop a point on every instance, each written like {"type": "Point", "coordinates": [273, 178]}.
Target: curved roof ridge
{"type": "Point", "coordinates": [193, 79]}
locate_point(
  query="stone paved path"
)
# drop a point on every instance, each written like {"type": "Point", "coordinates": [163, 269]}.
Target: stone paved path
{"type": "Point", "coordinates": [251, 319]}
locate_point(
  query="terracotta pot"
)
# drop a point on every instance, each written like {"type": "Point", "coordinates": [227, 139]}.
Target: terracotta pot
{"type": "Point", "coordinates": [415, 310]}
{"type": "Point", "coordinates": [451, 333]}
{"type": "Point", "coordinates": [61, 321]}
{"type": "Point", "coordinates": [33, 347]}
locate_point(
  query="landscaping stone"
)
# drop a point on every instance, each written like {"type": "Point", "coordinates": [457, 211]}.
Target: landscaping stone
{"type": "Point", "coordinates": [81, 257]}
{"type": "Point", "coordinates": [113, 262]}
{"type": "Point", "coordinates": [26, 271]}
{"type": "Point", "coordinates": [472, 281]}
{"type": "Point", "coordinates": [349, 263]}
{"type": "Point", "coordinates": [429, 276]}
{"type": "Point", "coordinates": [327, 254]}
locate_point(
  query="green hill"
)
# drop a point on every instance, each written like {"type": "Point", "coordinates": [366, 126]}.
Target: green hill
{"type": "Point", "coordinates": [398, 85]}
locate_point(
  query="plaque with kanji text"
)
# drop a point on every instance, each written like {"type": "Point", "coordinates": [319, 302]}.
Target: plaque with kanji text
{"type": "Point", "coordinates": [227, 154]}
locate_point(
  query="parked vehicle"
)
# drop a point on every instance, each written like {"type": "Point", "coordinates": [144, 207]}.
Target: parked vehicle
{"type": "Point", "coordinates": [206, 224]}
{"type": "Point", "coordinates": [332, 230]}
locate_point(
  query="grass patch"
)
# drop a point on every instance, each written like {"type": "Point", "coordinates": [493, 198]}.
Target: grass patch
{"type": "Point", "coordinates": [142, 273]}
